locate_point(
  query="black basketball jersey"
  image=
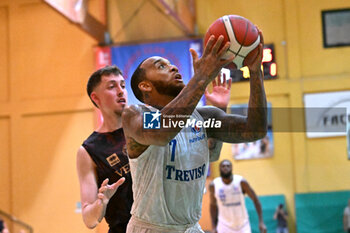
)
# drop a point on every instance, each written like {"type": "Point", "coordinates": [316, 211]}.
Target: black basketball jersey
{"type": "Point", "coordinates": [108, 151]}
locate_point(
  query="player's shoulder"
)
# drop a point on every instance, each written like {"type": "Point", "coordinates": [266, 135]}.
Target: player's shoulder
{"type": "Point", "coordinates": [83, 157]}
{"type": "Point", "coordinates": [137, 108]}
{"type": "Point", "coordinates": [239, 179]}
{"type": "Point", "coordinates": [347, 210]}
{"type": "Point", "coordinates": [212, 183]}
{"type": "Point", "coordinates": [212, 186]}
{"type": "Point", "coordinates": [217, 180]}
{"type": "Point", "coordinates": [133, 110]}
{"type": "Point", "coordinates": [81, 151]}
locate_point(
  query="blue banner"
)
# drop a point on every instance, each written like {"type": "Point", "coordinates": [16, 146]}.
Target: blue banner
{"type": "Point", "coordinates": [128, 57]}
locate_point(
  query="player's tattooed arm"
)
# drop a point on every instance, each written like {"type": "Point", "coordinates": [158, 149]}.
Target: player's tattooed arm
{"type": "Point", "coordinates": [247, 189]}
{"type": "Point", "coordinates": [236, 128]}
{"type": "Point", "coordinates": [214, 147]}
{"type": "Point", "coordinates": [134, 148]}
{"type": "Point", "coordinates": [213, 207]}
{"type": "Point", "coordinates": [257, 111]}
{"type": "Point", "coordinates": [132, 125]}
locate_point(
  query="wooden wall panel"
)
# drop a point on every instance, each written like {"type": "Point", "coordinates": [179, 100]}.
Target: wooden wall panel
{"type": "Point", "coordinates": [51, 54]}
{"type": "Point", "coordinates": [4, 42]}
{"type": "Point", "coordinates": [46, 189]}
{"type": "Point", "coordinates": [315, 59]}
{"type": "Point", "coordinates": [147, 24]}
{"type": "Point", "coordinates": [5, 165]}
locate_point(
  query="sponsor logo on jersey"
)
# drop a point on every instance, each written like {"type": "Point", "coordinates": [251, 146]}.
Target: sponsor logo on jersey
{"type": "Point", "coordinates": [222, 195]}
{"type": "Point", "coordinates": [232, 204]}
{"type": "Point", "coordinates": [184, 175]}
{"type": "Point", "coordinates": [196, 129]}
{"type": "Point", "coordinates": [123, 170]}
{"type": "Point", "coordinates": [196, 139]}
{"type": "Point", "coordinates": [113, 159]}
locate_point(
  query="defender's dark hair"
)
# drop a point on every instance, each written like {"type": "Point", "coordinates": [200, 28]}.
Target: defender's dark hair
{"type": "Point", "coordinates": [138, 76]}
{"type": "Point", "coordinates": [95, 78]}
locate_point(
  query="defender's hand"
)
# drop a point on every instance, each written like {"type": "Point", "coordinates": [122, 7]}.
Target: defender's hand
{"type": "Point", "coordinates": [220, 95]}
{"type": "Point", "coordinates": [106, 191]}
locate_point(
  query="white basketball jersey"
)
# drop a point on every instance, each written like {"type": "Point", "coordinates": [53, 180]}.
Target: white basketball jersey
{"type": "Point", "coordinates": [168, 181]}
{"type": "Point", "coordinates": [232, 211]}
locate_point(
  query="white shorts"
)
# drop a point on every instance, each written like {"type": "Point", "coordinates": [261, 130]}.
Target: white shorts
{"type": "Point", "coordinates": [221, 228]}
{"type": "Point", "coordinates": [136, 225]}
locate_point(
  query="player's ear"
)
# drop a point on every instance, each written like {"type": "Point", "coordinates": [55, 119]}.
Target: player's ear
{"type": "Point", "coordinates": [145, 86]}
{"type": "Point", "coordinates": [95, 98]}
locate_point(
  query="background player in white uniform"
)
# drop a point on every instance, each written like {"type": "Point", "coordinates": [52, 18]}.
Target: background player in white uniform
{"type": "Point", "coordinates": [227, 206]}
{"type": "Point", "coordinates": [169, 165]}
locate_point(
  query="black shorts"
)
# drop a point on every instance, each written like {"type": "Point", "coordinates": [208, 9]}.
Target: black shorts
{"type": "Point", "coordinates": [120, 228]}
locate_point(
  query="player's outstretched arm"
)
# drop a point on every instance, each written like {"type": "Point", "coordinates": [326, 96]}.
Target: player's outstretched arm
{"type": "Point", "coordinates": [236, 128]}
{"type": "Point", "coordinates": [213, 207]}
{"type": "Point", "coordinates": [276, 213]}
{"type": "Point", "coordinates": [247, 189]}
{"type": "Point", "coordinates": [257, 109]}
{"type": "Point", "coordinates": [94, 201]}
{"type": "Point", "coordinates": [206, 69]}
{"type": "Point", "coordinates": [345, 221]}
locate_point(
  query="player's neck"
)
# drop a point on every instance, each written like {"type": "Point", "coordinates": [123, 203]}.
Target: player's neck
{"type": "Point", "coordinates": [227, 180]}
{"type": "Point", "coordinates": [110, 123]}
{"type": "Point", "coordinates": [158, 101]}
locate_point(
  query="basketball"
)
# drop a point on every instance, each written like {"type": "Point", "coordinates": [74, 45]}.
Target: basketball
{"type": "Point", "coordinates": [242, 34]}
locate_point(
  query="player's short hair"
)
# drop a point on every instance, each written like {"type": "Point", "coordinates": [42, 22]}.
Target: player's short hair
{"type": "Point", "coordinates": [95, 78]}
{"type": "Point", "coordinates": [138, 76]}
{"type": "Point", "coordinates": [225, 160]}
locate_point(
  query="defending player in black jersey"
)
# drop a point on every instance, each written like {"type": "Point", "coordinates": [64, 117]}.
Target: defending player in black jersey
{"type": "Point", "coordinates": [102, 163]}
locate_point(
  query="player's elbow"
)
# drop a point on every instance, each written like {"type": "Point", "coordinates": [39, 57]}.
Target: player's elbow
{"type": "Point", "coordinates": [259, 135]}
{"type": "Point", "coordinates": [89, 220]}
{"type": "Point", "coordinates": [151, 138]}
{"type": "Point", "coordinates": [128, 113]}
{"type": "Point", "coordinates": [252, 136]}
{"type": "Point", "coordinates": [90, 224]}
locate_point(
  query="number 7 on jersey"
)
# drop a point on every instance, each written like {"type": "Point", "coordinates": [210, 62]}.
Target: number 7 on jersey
{"type": "Point", "coordinates": [173, 144]}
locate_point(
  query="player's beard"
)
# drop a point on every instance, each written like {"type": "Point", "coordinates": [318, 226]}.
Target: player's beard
{"type": "Point", "coordinates": [225, 175]}
{"type": "Point", "coordinates": [170, 90]}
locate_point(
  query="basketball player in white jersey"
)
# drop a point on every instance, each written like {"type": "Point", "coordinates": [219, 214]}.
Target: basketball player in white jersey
{"type": "Point", "coordinates": [169, 164]}
{"type": "Point", "coordinates": [227, 207]}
